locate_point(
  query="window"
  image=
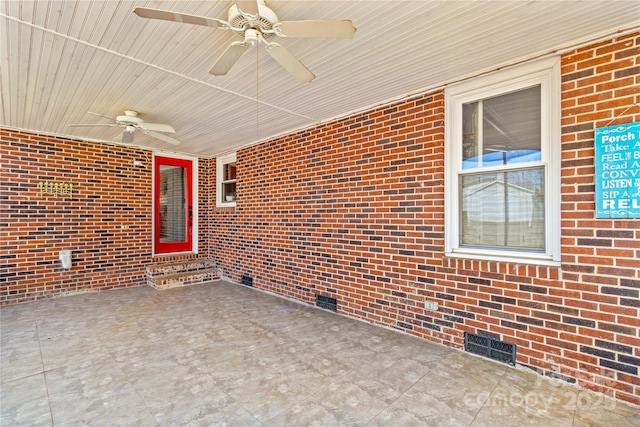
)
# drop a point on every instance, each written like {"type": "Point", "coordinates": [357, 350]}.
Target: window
{"type": "Point", "coordinates": [502, 162]}
{"type": "Point", "coordinates": [226, 179]}
{"type": "Point", "coordinates": [175, 205]}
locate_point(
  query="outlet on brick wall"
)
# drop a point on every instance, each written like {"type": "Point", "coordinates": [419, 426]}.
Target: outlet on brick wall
{"type": "Point", "coordinates": [431, 305]}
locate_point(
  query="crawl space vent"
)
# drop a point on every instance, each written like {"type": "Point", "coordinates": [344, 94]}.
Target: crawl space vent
{"type": "Point", "coordinates": [488, 347]}
{"type": "Point", "coordinates": [327, 302]}
{"type": "Point", "coordinates": [246, 280]}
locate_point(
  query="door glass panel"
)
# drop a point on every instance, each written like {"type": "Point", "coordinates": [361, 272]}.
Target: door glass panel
{"type": "Point", "coordinates": [172, 204]}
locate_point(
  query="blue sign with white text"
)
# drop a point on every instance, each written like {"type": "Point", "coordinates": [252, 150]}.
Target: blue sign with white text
{"type": "Point", "coordinates": [617, 161]}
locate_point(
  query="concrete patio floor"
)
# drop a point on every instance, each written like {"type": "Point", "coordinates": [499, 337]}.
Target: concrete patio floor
{"type": "Point", "coordinates": [223, 354]}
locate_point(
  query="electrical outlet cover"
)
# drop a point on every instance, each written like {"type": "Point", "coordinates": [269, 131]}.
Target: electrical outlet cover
{"type": "Point", "coordinates": [431, 305]}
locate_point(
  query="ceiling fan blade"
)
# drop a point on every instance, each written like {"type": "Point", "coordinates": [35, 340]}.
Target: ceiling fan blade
{"type": "Point", "coordinates": [100, 115]}
{"type": "Point", "coordinates": [157, 127]}
{"type": "Point", "coordinates": [127, 137]}
{"type": "Point", "coordinates": [289, 62]}
{"type": "Point", "coordinates": [159, 136]}
{"type": "Point", "coordinates": [167, 15]}
{"type": "Point", "coordinates": [229, 57]}
{"type": "Point", "coordinates": [334, 29]}
{"type": "Point", "coordinates": [85, 125]}
{"type": "Point", "coordinates": [248, 6]}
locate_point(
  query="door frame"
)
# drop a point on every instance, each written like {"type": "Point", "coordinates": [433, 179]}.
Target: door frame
{"type": "Point", "coordinates": [191, 245]}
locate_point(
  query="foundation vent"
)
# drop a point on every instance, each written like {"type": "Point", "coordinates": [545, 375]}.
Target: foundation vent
{"type": "Point", "coordinates": [327, 302]}
{"type": "Point", "coordinates": [246, 280]}
{"type": "Point", "coordinates": [491, 348]}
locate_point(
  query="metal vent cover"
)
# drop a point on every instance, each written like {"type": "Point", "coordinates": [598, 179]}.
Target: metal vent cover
{"type": "Point", "coordinates": [501, 351]}
{"type": "Point", "coordinates": [327, 303]}
{"type": "Point", "coordinates": [246, 280]}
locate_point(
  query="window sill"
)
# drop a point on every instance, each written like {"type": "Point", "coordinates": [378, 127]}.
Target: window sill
{"type": "Point", "coordinates": [501, 256]}
{"type": "Point", "coordinates": [226, 205]}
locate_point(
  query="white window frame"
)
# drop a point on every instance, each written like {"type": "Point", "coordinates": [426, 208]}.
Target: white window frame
{"type": "Point", "coordinates": [220, 163]}
{"type": "Point", "coordinates": [545, 73]}
{"type": "Point", "coordinates": [194, 200]}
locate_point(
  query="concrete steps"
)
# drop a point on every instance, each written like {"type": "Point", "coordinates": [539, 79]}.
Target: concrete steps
{"type": "Point", "coordinates": [181, 273]}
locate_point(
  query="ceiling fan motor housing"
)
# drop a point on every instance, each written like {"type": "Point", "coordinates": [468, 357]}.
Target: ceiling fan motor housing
{"type": "Point", "coordinates": [130, 118]}
{"type": "Point", "coordinates": [262, 22]}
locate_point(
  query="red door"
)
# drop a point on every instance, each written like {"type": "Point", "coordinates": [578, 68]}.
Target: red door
{"type": "Point", "coordinates": [173, 198]}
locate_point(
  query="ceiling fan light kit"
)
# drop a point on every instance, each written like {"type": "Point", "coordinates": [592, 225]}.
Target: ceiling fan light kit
{"type": "Point", "coordinates": [251, 37]}
{"type": "Point", "coordinates": [257, 24]}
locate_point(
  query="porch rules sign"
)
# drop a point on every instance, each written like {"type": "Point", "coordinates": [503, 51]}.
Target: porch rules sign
{"type": "Point", "coordinates": [617, 161]}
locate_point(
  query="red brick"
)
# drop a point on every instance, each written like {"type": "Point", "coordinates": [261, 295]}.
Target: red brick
{"type": "Point", "coordinates": [359, 188]}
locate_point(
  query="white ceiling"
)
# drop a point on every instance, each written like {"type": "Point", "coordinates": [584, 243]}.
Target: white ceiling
{"type": "Point", "coordinates": [60, 59]}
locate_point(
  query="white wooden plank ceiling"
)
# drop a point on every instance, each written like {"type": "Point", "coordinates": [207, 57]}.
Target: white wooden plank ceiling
{"type": "Point", "coordinates": [61, 59]}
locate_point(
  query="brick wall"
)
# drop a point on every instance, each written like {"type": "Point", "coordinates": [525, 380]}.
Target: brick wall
{"type": "Point", "coordinates": [600, 258]}
{"type": "Point", "coordinates": [105, 221]}
{"type": "Point", "coordinates": [354, 210]}
{"type": "Point", "coordinates": [206, 201]}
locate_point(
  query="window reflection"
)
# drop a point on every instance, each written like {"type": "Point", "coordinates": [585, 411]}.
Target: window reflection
{"type": "Point", "coordinates": [502, 130]}
{"type": "Point", "coordinates": [503, 209]}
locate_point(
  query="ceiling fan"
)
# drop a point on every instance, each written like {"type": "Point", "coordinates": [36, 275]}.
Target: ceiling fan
{"type": "Point", "coordinates": [132, 123]}
{"type": "Point", "coordinates": [256, 23]}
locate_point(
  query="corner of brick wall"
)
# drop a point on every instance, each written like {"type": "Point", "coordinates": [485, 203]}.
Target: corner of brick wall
{"type": "Point", "coordinates": [354, 210]}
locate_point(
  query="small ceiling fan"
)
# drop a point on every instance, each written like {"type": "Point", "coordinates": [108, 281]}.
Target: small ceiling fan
{"type": "Point", "coordinates": [132, 123]}
{"type": "Point", "coordinates": [256, 23]}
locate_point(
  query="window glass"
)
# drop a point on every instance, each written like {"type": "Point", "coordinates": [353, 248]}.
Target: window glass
{"type": "Point", "coordinates": [503, 209]}
{"type": "Point", "coordinates": [226, 180]}
{"type": "Point", "coordinates": [502, 130]}
{"type": "Point", "coordinates": [229, 182]}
